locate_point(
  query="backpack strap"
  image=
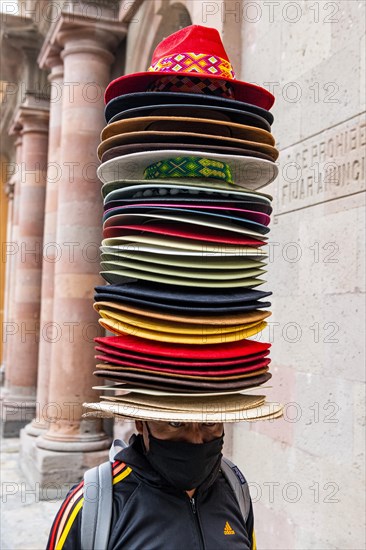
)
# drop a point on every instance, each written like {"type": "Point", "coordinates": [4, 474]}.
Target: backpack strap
{"type": "Point", "coordinates": [116, 446]}
{"type": "Point", "coordinates": [238, 484]}
{"type": "Point", "coordinates": [105, 505]}
{"type": "Point", "coordinates": [90, 509]}
{"type": "Point", "coordinates": [98, 502]}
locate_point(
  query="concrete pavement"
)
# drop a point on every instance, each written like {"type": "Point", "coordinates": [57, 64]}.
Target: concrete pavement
{"type": "Point", "coordinates": [25, 520]}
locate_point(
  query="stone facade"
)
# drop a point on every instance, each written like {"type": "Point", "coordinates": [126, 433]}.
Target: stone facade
{"type": "Point", "coordinates": [309, 482]}
{"type": "Point", "coordinates": [305, 471]}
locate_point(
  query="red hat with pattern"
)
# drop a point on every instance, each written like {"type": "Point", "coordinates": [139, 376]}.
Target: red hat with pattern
{"type": "Point", "coordinates": [191, 60]}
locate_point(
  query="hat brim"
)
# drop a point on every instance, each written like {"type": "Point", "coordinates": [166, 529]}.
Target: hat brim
{"type": "Point", "coordinates": [197, 111]}
{"type": "Point", "coordinates": [235, 349]}
{"type": "Point", "coordinates": [185, 235]}
{"type": "Point", "coordinates": [190, 273]}
{"type": "Point", "coordinates": [187, 375]}
{"type": "Point", "coordinates": [257, 221]}
{"type": "Point", "coordinates": [177, 309]}
{"type": "Point", "coordinates": [203, 218]}
{"type": "Point", "coordinates": [224, 128]}
{"type": "Point", "coordinates": [221, 321]}
{"type": "Point", "coordinates": [173, 248]}
{"type": "Point", "coordinates": [248, 172]}
{"type": "Point", "coordinates": [109, 253]}
{"type": "Point", "coordinates": [150, 136]}
{"type": "Point", "coordinates": [218, 412]}
{"type": "Point", "coordinates": [170, 383]}
{"type": "Point", "coordinates": [189, 403]}
{"type": "Point", "coordinates": [139, 82]}
{"type": "Point", "coordinates": [134, 389]}
{"type": "Point", "coordinates": [125, 275]}
{"type": "Point", "coordinates": [129, 148]}
{"type": "Point", "coordinates": [171, 188]}
{"type": "Point", "coordinates": [199, 203]}
{"type": "Point", "coordinates": [219, 337]}
{"type": "Point", "coordinates": [173, 327]}
{"type": "Point", "coordinates": [163, 243]}
{"type": "Point", "coordinates": [139, 99]}
{"type": "Point", "coordinates": [184, 296]}
{"type": "Point", "coordinates": [123, 355]}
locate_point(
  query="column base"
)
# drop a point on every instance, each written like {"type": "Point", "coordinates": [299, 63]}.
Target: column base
{"type": "Point", "coordinates": [73, 446]}
{"type": "Point", "coordinates": [51, 474]}
{"type": "Point", "coordinates": [35, 428]}
{"type": "Point", "coordinates": [16, 412]}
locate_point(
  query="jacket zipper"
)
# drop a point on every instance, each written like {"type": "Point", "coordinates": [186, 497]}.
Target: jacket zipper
{"type": "Point", "coordinates": [197, 521]}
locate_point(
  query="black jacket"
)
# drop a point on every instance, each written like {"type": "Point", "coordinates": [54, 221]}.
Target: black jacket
{"type": "Point", "coordinates": [150, 514]}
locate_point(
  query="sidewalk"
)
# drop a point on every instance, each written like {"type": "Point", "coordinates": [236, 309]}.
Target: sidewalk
{"type": "Point", "coordinates": [25, 521]}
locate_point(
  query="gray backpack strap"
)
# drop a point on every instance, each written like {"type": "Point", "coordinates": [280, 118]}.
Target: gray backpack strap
{"type": "Point", "coordinates": [98, 502]}
{"type": "Point", "coordinates": [90, 509]}
{"type": "Point", "coordinates": [238, 484]}
{"type": "Point", "coordinates": [105, 505]}
{"type": "Point", "coordinates": [116, 446]}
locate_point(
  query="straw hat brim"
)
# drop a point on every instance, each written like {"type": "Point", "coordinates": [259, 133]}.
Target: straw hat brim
{"type": "Point", "coordinates": [243, 408]}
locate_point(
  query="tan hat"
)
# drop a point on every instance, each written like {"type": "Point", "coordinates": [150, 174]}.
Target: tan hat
{"type": "Point", "coordinates": [225, 408]}
{"type": "Point", "coordinates": [182, 137]}
{"type": "Point", "coordinates": [187, 124]}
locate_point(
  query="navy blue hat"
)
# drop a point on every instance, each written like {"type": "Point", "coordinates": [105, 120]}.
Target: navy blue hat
{"type": "Point", "coordinates": [141, 99]}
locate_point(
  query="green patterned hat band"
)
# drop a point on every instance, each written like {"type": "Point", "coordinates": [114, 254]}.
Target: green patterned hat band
{"type": "Point", "coordinates": [189, 167]}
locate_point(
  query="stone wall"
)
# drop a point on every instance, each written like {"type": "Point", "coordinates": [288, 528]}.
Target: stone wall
{"type": "Point", "coordinates": [306, 471]}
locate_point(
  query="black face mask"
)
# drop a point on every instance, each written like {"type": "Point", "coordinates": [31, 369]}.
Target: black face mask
{"type": "Point", "coordinates": [185, 465]}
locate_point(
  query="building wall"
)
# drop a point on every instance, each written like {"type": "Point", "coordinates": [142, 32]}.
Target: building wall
{"type": "Point", "coordinates": [306, 470]}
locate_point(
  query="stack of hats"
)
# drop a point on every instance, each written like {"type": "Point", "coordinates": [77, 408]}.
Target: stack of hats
{"type": "Point", "coordinates": [184, 152]}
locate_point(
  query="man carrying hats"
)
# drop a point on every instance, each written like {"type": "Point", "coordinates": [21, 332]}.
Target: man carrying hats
{"type": "Point", "coordinates": [181, 312]}
{"type": "Point", "coordinates": [168, 493]}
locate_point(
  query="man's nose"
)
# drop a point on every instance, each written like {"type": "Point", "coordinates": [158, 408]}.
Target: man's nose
{"type": "Point", "coordinates": [194, 434]}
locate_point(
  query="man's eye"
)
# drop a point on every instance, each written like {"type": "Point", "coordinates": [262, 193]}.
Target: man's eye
{"type": "Point", "coordinates": [209, 424]}
{"type": "Point", "coordinates": [176, 424]}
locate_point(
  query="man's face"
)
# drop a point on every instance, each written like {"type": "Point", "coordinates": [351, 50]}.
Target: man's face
{"type": "Point", "coordinates": [190, 432]}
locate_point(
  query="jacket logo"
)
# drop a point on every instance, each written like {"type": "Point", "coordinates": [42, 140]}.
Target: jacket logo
{"type": "Point", "coordinates": [228, 530]}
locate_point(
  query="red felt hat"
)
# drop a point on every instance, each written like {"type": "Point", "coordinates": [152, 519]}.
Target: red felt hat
{"type": "Point", "coordinates": [209, 362]}
{"type": "Point", "coordinates": [183, 351]}
{"type": "Point", "coordinates": [198, 53]}
{"type": "Point", "coordinates": [202, 234]}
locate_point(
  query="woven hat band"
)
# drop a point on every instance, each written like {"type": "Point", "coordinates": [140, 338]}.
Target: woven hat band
{"type": "Point", "coordinates": [189, 167]}
{"type": "Point", "coordinates": [200, 63]}
{"type": "Point", "coordinates": [193, 85]}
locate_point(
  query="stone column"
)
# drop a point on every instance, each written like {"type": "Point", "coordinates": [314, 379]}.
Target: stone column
{"type": "Point", "coordinates": [7, 194]}
{"type": "Point", "coordinates": [21, 378]}
{"type": "Point", "coordinates": [78, 443]}
{"type": "Point", "coordinates": [12, 191]}
{"type": "Point", "coordinates": [49, 328]}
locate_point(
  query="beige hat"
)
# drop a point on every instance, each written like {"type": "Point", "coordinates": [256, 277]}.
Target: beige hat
{"type": "Point", "coordinates": [224, 408]}
{"type": "Point", "coordinates": [248, 172]}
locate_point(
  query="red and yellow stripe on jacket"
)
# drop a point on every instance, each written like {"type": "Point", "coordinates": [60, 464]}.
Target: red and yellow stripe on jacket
{"type": "Point", "coordinates": [72, 505]}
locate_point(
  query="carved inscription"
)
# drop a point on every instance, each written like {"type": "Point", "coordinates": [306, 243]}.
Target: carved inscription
{"type": "Point", "coordinates": [323, 167]}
